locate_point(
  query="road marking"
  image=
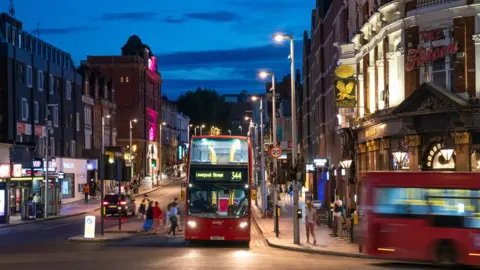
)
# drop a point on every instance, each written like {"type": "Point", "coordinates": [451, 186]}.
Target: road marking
{"type": "Point", "coordinates": [61, 225]}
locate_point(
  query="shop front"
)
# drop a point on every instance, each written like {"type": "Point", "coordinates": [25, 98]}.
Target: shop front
{"type": "Point", "coordinates": [431, 130]}
{"type": "Point", "coordinates": [74, 178]}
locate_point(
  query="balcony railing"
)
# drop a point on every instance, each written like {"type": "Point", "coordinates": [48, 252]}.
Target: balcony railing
{"type": "Point", "coordinates": [429, 3]}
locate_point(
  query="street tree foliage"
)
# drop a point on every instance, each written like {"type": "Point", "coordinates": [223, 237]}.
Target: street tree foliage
{"type": "Point", "coordinates": [205, 106]}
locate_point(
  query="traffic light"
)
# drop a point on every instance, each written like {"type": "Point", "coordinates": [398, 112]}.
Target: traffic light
{"type": "Point", "coordinates": [108, 169]}
{"type": "Point", "coordinates": [154, 163]}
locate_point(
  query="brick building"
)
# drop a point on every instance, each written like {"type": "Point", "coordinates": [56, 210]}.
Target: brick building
{"type": "Point", "coordinates": [35, 74]}
{"type": "Point", "coordinates": [417, 85]}
{"type": "Point", "coordinates": [320, 138]}
{"type": "Point", "coordinates": [98, 96]}
{"type": "Point", "coordinates": [137, 95]}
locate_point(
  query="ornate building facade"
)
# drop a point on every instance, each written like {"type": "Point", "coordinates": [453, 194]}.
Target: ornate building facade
{"type": "Point", "coordinates": [417, 86]}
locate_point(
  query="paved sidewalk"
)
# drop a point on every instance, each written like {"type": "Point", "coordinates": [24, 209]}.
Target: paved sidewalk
{"type": "Point", "coordinates": [100, 238]}
{"type": "Point", "coordinates": [77, 208]}
{"type": "Point", "coordinates": [325, 243]}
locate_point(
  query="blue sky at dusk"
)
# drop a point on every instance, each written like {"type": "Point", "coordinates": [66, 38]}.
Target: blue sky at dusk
{"type": "Point", "coordinates": [219, 44]}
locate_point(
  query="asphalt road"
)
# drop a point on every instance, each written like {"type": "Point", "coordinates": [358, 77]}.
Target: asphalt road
{"type": "Point", "coordinates": [44, 246]}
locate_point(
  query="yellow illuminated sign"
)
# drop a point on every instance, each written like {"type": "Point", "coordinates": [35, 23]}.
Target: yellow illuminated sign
{"type": "Point", "coordinates": [236, 175]}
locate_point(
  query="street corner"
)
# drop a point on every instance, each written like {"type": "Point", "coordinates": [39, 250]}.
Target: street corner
{"type": "Point", "coordinates": [275, 243]}
{"type": "Point", "coordinates": [100, 239]}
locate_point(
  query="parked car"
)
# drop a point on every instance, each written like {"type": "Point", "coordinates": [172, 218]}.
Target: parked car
{"type": "Point", "coordinates": [119, 204]}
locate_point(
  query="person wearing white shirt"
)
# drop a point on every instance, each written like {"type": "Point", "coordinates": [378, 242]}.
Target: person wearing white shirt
{"type": "Point", "coordinates": [310, 218]}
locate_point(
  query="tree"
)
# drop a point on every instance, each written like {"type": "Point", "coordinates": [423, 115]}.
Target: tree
{"type": "Point", "coordinates": [205, 106]}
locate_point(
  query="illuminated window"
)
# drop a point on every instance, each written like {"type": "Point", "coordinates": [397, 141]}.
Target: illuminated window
{"type": "Point", "coordinates": [121, 79]}
{"type": "Point", "coordinates": [126, 79]}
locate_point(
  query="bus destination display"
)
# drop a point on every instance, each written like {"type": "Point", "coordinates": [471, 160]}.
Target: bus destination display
{"type": "Point", "coordinates": [236, 176]}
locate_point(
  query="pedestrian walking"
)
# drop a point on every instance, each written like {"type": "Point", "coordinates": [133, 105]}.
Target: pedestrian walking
{"type": "Point", "coordinates": [157, 218]}
{"type": "Point", "coordinates": [337, 217]}
{"type": "Point", "coordinates": [86, 192]}
{"type": "Point", "coordinates": [290, 193]}
{"type": "Point", "coordinates": [93, 188]}
{"type": "Point", "coordinates": [177, 205]}
{"type": "Point", "coordinates": [142, 209]}
{"type": "Point", "coordinates": [148, 217]}
{"type": "Point", "coordinates": [310, 221]}
{"type": "Point", "coordinates": [172, 217]}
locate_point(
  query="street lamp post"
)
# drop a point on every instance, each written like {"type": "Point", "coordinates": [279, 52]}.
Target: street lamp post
{"type": "Point", "coordinates": [262, 158]}
{"type": "Point", "coordinates": [161, 153]}
{"type": "Point", "coordinates": [201, 129]}
{"type": "Point", "coordinates": [196, 130]}
{"type": "Point", "coordinates": [256, 165]}
{"type": "Point", "coordinates": [102, 180]}
{"type": "Point", "coordinates": [241, 130]}
{"type": "Point", "coordinates": [229, 132]}
{"type": "Point", "coordinates": [131, 151]}
{"type": "Point", "coordinates": [188, 132]}
{"type": "Point", "coordinates": [296, 225]}
{"type": "Point", "coordinates": [48, 129]}
{"type": "Point", "coordinates": [263, 75]}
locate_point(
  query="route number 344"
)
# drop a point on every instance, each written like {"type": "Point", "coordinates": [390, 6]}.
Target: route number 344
{"type": "Point", "coordinates": [275, 152]}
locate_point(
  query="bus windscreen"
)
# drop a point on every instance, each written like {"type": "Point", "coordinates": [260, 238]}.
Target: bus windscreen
{"type": "Point", "coordinates": [219, 151]}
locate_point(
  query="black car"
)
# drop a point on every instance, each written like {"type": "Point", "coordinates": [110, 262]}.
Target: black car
{"type": "Point", "coordinates": [115, 204]}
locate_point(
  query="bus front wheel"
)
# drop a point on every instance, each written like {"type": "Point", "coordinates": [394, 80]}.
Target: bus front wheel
{"type": "Point", "coordinates": [445, 253]}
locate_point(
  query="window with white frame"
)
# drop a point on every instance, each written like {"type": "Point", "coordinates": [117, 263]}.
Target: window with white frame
{"type": "Point", "coordinates": [40, 145]}
{"type": "Point", "coordinates": [77, 121]}
{"type": "Point", "coordinates": [68, 90]}
{"type": "Point", "coordinates": [73, 148]}
{"type": "Point", "coordinates": [55, 116]}
{"type": "Point", "coordinates": [86, 88]}
{"type": "Point", "coordinates": [40, 79]}
{"type": "Point", "coordinates": [439, 73]}
{"type": "Point", "coordinates": [88, 140]}
{"type": "Point", "coordinates": [28, 76]}
{"type": "Point", "coordinates": [51, 84]}
{"type": "Point", "coordinates": [36, 112]}
{"type": "Point", "coordinates": [24, 109]}
{"type": "Point", "coordinates": [52, 146]}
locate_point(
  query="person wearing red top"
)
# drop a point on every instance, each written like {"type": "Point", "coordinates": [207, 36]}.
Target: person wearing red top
{"type": "Point", "coordinates": [157, 217]}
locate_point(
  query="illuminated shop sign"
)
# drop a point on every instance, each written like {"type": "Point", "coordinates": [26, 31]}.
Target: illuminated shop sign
{"type": "Point", "coordinates": [426, 55]}
{"type": "Point", "coordinates": [321, 162]}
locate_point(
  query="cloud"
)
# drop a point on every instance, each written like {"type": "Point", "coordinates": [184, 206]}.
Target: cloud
{"type": "Point", "coordinates": [145, 16]}
{"type": "Point", "coordinates": [152, 16]}
{"type": "Point", "coordinates": [174, 21]}
{"type": "Point", "coordinates": [261, 54]}
{"type": "Point", "coordinates": [63, 30]}
{"type": "Point", "coordinates": [213, 73]}
{"type": "Point", "coordinates": [266, 4]}
{"type": "Point", "coordinates": [227, 71]}
{"type": "Point", "coordinates": [175, 87]}
{"type": "Point", "coordinates": [214, 16]}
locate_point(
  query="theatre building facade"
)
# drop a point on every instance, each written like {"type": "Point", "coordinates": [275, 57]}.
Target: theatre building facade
{"type": "Point", "coordinates": [417, 86]}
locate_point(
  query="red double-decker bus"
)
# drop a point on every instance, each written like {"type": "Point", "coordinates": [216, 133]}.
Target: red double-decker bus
{"type": "Point", "coordinates": [219, 179]}
{"type": "Point", "coordinates": [432, 216]}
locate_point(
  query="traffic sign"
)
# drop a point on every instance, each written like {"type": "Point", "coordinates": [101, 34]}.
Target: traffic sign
{"type": "Point", "coordinates": [275, 152]}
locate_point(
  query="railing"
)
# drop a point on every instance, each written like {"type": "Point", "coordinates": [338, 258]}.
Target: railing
{"type": "Point", "coordinates": [429, 3]}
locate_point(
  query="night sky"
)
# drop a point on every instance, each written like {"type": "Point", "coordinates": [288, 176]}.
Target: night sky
{"type": "Point", "coordinates": [219, 44]}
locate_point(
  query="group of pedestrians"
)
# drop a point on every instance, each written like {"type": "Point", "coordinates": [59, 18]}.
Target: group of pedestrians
{"type": "Point", "coordinates": [154, 219]}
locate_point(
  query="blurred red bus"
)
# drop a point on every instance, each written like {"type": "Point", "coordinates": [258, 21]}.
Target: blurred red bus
{"type": "Point", "coordinates": [432, 216]}
{"type": "Point", "coordinates": [219, 179]}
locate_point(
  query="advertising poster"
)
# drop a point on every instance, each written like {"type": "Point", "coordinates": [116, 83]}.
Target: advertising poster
{"type": "Point", "coordinates": [345, 84]}
{"type": "Point", "coordinates": [2, 202]}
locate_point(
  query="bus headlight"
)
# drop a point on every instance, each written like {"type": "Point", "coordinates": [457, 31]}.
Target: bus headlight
{"type": "Point", "coordinates": [243, 224]}
{"type": "Point", "coordinates": [192, 224]}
